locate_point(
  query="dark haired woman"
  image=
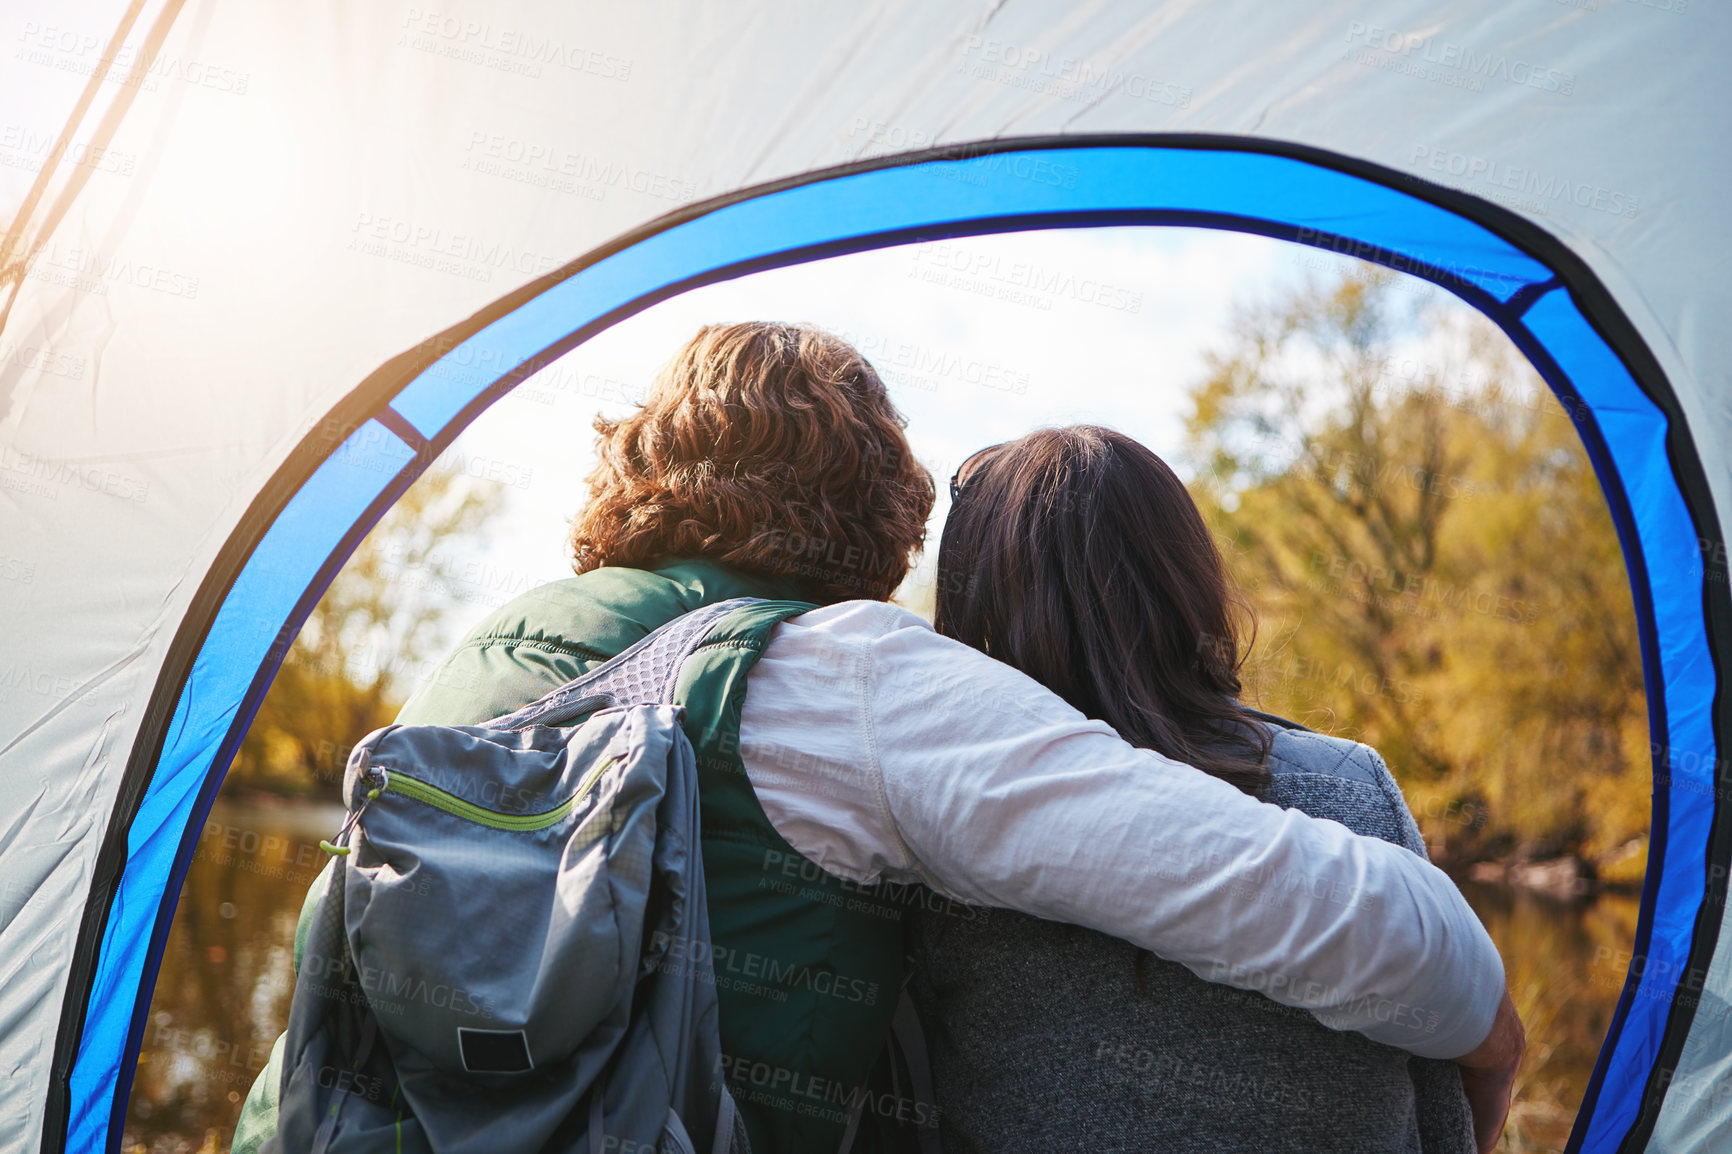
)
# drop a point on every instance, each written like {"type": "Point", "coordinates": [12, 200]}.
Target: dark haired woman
{"type": "Point", "coordinates": [1077, 556]}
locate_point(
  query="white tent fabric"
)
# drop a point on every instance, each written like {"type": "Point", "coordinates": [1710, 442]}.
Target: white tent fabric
{"type": "Point", "coordinates": [224, 217]}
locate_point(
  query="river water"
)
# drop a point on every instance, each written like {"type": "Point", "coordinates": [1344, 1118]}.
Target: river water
{"type": "Point", "coordinates": [227, 976]}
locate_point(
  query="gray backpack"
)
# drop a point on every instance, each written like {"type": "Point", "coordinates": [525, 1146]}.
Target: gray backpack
{"type": "Point", "coordinates": [513, 951]}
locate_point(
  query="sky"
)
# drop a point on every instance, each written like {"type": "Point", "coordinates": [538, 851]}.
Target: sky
{"type": "Point", "coordinates": [978, 340]}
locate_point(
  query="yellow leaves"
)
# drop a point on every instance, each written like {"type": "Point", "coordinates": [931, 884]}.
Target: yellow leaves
{"type": "Point", "coordinates": [1433, 566]}
{"type": "Point", "coordinates": [382, 614]}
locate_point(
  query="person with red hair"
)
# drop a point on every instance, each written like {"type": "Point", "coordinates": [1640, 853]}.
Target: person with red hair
{"type": "Point", "coordinates": [853, 762]}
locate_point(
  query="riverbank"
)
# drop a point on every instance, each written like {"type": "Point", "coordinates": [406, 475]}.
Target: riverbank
{"type": "Point", "coordinates": [1562, 878]}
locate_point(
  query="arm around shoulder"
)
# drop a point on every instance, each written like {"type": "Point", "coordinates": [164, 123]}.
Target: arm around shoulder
{"type": "Point", "coordinates": [964, 774]}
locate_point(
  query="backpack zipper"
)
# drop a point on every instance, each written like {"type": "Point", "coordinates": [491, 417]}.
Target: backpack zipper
{"type": "Point", "coordinates": [417, 790]}
{"type": "Point", "coordinates": [380, 778]}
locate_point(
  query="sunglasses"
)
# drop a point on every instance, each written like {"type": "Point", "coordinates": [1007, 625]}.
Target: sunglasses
{"type": "Point", "coordinates": [957, 480]}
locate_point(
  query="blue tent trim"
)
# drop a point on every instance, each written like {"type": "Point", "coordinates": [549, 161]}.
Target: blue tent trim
{"type": "Point", "coordinates": [348, 473]}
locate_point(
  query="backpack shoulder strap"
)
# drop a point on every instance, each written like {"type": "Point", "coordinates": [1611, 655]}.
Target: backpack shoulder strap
{"type": "Point", "coordinates": [644, 674]}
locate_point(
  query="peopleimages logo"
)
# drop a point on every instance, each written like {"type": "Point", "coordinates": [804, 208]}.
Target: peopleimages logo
{"type": "Point", "coordinates": [725, 961]}
{"type": "Point", "coordinates": [1429, 58]}
{"type": "Point", "coordinates": [1023, 282]}
{"type": "Point", "coordinates": [503, 47]}
{"type": "Point", "coordinates": [442, 250]}
{"type": "Point", "coordinates": [1540, 188]}
{"type": "Point", "coordinates": [81, 52]}
{"type": "Point", "coordinates": [1066, 77]}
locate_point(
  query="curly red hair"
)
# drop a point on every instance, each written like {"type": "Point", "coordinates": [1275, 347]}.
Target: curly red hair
{"type": "Point", "coordinates": [771, 448]}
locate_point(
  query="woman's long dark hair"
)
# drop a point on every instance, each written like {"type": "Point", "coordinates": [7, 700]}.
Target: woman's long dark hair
{"type": "Point", "coordinates": [1077, 556]}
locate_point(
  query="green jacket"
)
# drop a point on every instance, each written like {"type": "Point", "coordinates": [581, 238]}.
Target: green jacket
{"type": "Point", "coordinates": [808, 967]}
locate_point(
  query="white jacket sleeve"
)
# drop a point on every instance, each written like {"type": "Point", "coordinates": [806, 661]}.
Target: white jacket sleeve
{"type": "Point", "coordinates": [883, 751]}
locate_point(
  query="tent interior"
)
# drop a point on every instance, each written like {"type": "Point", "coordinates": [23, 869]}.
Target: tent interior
{"type": "Point", "coordinates": [242, 318]}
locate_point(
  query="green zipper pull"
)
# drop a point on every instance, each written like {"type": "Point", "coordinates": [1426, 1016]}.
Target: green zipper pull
{"type": "Point", "coordinates": [377, 779]}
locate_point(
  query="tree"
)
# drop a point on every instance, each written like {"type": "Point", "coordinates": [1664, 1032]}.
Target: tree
{"type": "Point", "coordinates": [370, 637]}
{"type": "Point", "coordinates": [1432, 563]}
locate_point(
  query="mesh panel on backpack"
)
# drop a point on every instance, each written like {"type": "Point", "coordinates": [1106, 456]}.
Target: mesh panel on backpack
{"type": "Point", "coordinates": [641, 675]}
